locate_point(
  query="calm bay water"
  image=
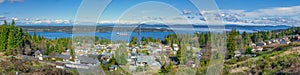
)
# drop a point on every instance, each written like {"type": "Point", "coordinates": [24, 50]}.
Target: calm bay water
{"type": "Point", "coordinates": [161, 35]}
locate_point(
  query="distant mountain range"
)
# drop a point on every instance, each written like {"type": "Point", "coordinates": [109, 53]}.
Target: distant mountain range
{"type": "Point", "coordinates": [228, 16]}
{"type": "Point", "coordinates": [152, 28]}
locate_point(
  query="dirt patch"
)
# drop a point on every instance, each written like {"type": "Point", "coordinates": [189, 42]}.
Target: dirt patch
{"type": "Point", "coordinates": [240, 69]}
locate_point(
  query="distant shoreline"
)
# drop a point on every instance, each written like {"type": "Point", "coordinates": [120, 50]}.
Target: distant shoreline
{"type": "Point", "coordinates": [150, 28]}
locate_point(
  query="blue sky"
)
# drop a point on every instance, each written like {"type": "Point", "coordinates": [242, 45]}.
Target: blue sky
{"type": "Point", "coordinates": [66, 9]}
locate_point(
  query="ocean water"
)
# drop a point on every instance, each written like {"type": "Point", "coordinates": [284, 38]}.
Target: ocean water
{"type": "Point", "coordinates": [161, 35]}
{"type": "Point", "coordinates": [106, 35]}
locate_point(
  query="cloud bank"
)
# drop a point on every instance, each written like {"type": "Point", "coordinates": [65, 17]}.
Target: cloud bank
{"type": "Point", "coordinates": [267, 16]}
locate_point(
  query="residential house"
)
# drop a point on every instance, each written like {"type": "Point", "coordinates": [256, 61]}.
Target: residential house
{"type": "Point", "coordinates": [113, 68]}
{"type": "Point", "coordinates": [60, 65]}
{"type": "Point", "coordinates": [199, 54]}
{"type": "Point", "coordinates": [296, 38]}
{"type": "Point", "coordinates": [63, 57]}
{"type": "Point", "coordinates": [257, 49]}
{"type": "Point", "coordinates": [167, 49]}
{"type": "Point", "coordinates": [104, 58]}
{"type": "Point", "coordinates": [261, 44]}
{"type": "Point", "coordinates": [100, 47]}
{"type": "Point", "coordinates": [147, 60]}
{"type": "Point", "coordinates": [88, 60]}
{"type": "Point", "coordinates": [269, 42]}
{"type": "Point", "coordinates": [237, 53]}
{"type": "Point", "coordinates": [175, 47]}
{"type": "Point", "coordinates": [274, 40]}
{"type": "Point", "coordinates": [252, 45]}
{"type": "Point", "coordinates": [134, 50]}
{"type": "Point", "coordinates": [82, 62]}
{"type": "Point", "coordinates": [285, 40]}
{"type": "Point", "coordinates": [38, 54]}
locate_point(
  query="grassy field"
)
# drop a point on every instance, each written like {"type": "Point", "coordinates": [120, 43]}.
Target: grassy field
{"type": "Point", "coordinates": [284, 60]}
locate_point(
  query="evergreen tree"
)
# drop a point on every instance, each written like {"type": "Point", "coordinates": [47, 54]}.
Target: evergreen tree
{"type": "Point", "coordinates": [133, 41]}
{"type": "Point", "coordinates": [182, 53]}
{"type": "Point", "coordinates": [3, 37]}
{"type": "Point", "coordinates": [11, 41]}
{"type": "Point", "coordinates": [231, 43]}
{"type": "Point", "coordinates": [13, 23]}
{"type": "Point", "coordinates": [248, 50]}
{"type": "Point", "coordinates": [246, 39]}
{"type": "Point", "coordinates": [34, 37]}
{"type": "Point", "coordinates": [5, 22]}
{"type": "Point", "coordinates": [121, 54]}
{"type": "Point", "coordinates": [48, 49]}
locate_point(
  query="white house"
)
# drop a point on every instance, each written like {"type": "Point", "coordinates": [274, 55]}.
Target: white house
{"type": "Point", "coordinates": [257, 49]}
{"type": "Point", "coordinates": [237, 54]}
{"type": "Point", "coordinates": [113, 68]}
{"type": "Point", "coordinates": [38, 54]}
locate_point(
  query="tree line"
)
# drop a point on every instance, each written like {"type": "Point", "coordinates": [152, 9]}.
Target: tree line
{"type": "Point", "coordinates": [14, 40]}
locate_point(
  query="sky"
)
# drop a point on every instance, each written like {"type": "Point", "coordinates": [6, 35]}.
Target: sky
{"type": "Point", "coordinates": [65, 10]}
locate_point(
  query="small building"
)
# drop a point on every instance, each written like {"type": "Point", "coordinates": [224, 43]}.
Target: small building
{"type": "Point", "coordinates": [168, 48]}
{"type": "Point", "coordinates": [113, 68]}
{"type": "Point", "coordinates": [199, 54]}
{"type": "Point", "coordinates": [285, 40]}
{"type": "Point", "coordinates": [60, 65]}
{"type": "Point", "coordinates": [274, 40]}
{"type": "Point", "coordinates": [147, 60]}
{"type": "Point", "coordinates": [261, 44]}
{"type": "Point", "coordinates": [88, 60]}
{"type": "Point", "coordinates": [101, 47]}
{"type": "Point", "coordinates": [103, 58]}
{"type": "Point", "coordinates": [237, 53]}
{"type": "Point", "coordinates": [134, 50]}
{"type": "Point", "coordinates": [269, 42]}
{"type": "Point", "coordinates": [63, 57]}
{"type": "Point", "coordinates": [296, 38]}
{"type": "Point", "coordinates": [252, 45]}
{"type": "Point", "coordinates": [176, 48]}
{"type": "Point", "coordinates": [38, 54]}
{"type": "Point", "coordinates": [257, 49]}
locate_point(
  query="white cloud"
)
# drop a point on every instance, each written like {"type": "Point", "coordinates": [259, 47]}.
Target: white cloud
{"type": "Point", "coordinates": [2, 17]}
{"type": "Point", "coordinates": [187, 12]}
{"type": "Point", "coordinates": [277, 11]}
{"type": "Point", "coordinates": [14, 1]}
{"type": "Point", "coordinates": [270, 16]}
